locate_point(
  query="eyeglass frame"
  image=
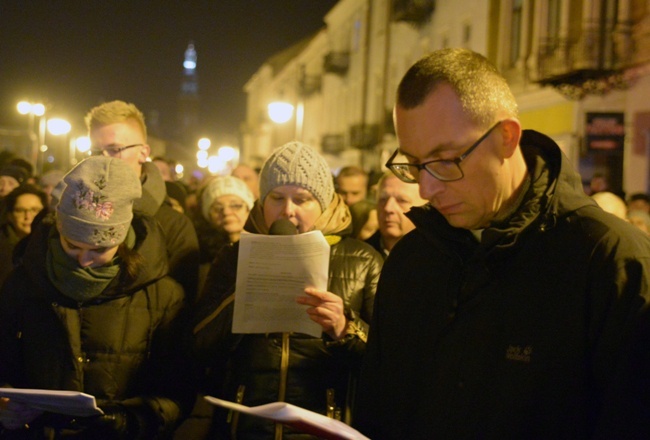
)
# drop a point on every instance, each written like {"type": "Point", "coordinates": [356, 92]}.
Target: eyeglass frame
{"type": "Point", "coordinates": [423, 166]}
{"type": "Point", "coordinates": [233, 207]}
{"type": "Point", "coordinates": [113, 151]}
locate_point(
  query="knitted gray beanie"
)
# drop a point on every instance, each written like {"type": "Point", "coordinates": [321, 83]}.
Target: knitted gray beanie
{"type": "Point", "coordinates": [298, 164]}
{"type": "Point", "coordinates": [96, 207]}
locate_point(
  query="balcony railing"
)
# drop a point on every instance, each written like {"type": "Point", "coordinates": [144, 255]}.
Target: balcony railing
{"type": "Point", "coordinates": [337, 62]}
{"type": "Point", "coordinates": [413, 11]}
{"type": "Point", "coordinates": [364, 136]}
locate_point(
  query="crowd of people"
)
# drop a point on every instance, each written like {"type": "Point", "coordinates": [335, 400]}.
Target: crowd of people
{"type": "Point", "coordinates": [475, 290]}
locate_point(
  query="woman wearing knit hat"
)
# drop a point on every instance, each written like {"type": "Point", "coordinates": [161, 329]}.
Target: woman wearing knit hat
{"type": "Point", "coordinates": [313, 373]}
{"type": "Point", "coordinates": [90, 309]}
{"type": "Point", "coordinates": [225, 204]}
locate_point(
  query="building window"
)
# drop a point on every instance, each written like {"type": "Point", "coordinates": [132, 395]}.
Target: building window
{"type": "Point", "coordinates": [515, 31]}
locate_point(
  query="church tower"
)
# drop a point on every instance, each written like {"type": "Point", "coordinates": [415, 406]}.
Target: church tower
{"type": "Point", "coordinates": [188, 105]}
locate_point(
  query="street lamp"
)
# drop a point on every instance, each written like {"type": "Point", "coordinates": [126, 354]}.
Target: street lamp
{"type": "Point", "coordinates": [32, 109]}
{"type": "Point", "coordinates": [280, 112]}
{"type": "Point", "coordinates": [56, 127]}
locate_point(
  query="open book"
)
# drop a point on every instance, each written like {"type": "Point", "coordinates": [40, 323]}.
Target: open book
{"type": "Point", "coordinates": [296, 417]}
{"type": "Point", "coordinates": [72, 403]}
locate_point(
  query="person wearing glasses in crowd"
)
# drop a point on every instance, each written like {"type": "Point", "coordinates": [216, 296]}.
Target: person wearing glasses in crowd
{"type": "Point", "coordinates": [315, 373]}
{"type": "Point", "coordinates": [22, 205]}
{"type": "Point", "coordinates": [117, 129]}
{"type": "Point", "coordinates": [517, 308]}
{"type": "Point", "coordinates": [225, 204]}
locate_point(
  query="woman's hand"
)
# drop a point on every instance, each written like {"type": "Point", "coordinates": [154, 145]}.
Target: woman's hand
{"type": "Point", "coordinates": [14, 415]}
{"type": "Point", "coordinates": [327, 310]}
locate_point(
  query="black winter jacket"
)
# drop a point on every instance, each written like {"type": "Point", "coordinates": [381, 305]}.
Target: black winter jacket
{"type": "Point", "coordinates": [122, 347]}
{"type": "Point", "coordinates": [539, 331]}
{"type": "Point", "coordinates": [247, 368]}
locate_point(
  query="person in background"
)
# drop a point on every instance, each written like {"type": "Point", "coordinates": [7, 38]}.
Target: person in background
{"type": "Point", "coordinates": [176, 195]}
{"type": "Point", "coordinates": [117, 129]}
{"type": "Point", "coordinates": [249, 176]}
{"type": "Point", "coordinates": [22, 205]}
{"type": "Point", "coordinates": [639, 202]}
{"type": "Point", "coordinates": [598, 183]}
{"type": "Point", "coordinates": [90, 309]}
{"type": "Point", "coordinates": [640, 219]}
{"type": "Point", "coordinates": [295, 185]}
{"type": "Point", "coordinates": [225, 204]}
{"type": "Point", "coordinates": [167, 168]}
{"type": "Point", "coordinates": [516, 308]}
{"type": "Point", "coordinates": [352, 184]}
{"type": "Point", "coordinates": [611, 203]}
{"type": "Point", "coordinates": [394, 199]}
{"type": "Point", "coordinates": [11, 177]}
{"type": "Point", "coordinates": [48, 181]}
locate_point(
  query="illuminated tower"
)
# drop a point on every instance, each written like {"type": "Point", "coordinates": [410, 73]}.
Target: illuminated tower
{"type": "Point", "coordinates": [188, 103]}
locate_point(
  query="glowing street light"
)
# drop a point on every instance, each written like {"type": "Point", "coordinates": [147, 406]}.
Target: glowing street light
{"type": "Point", "coordinates": [58, 126]}
{"type": "Point", "coordinates": [280, 112]}
{"type": "Point", "coordinates": [204, 144]}
{"type": "Point", "coordinates": [36, 109]}
{"type": "Point", "coordinates": [83, 144]}
{"type": "Point", "coordinates": [228, 153]}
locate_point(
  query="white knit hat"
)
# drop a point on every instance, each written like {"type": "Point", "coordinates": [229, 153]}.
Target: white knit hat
{"type": "Point", "coordinates": [225, 186]}
{"type": "Point", "coordinates": [298, 164]}
{"type": "Point", "coordinates": [96, 206]}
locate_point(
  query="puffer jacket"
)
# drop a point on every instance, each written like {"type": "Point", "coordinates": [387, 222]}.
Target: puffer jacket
{"type": "Point", "coordinates": [538, 331]}
{"type": "Point", "coordinates": [249, 368]}
{"type": "Point", "coordinates": [121, 347]}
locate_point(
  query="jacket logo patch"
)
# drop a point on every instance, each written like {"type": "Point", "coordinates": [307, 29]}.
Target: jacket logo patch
{"type": "Point", "coordinates": [518, 353]}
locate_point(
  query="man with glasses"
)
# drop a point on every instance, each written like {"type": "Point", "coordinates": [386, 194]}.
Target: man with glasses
{"type": "Point", "coordinates": [117, 129]}
{"type": "Point", "coordinates": [517, 308]}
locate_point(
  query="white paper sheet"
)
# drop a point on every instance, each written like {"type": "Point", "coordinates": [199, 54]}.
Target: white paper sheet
{"type": "Point", "coordinates": [72, 403]}
{"type": "Point", "coordinates": [272, 271]}
{"type": "Point", "coordinates": [297, 417]}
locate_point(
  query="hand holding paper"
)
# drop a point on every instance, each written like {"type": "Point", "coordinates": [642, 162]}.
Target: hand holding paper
{"type": "Point", "coordinates": [326, 310]}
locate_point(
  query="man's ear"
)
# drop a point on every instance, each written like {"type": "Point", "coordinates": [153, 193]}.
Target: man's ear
{"type": "Point", "coordinates": [511, 135]}
{"type": "Point", "coordinates": [145, 151]}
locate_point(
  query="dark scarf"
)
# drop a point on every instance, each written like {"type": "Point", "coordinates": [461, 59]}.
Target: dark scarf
{"type": "Point", "coordinates": [79, 283]}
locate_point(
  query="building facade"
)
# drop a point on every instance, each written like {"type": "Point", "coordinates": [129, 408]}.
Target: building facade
{"type": "Point", "coordinates": [580, 70]}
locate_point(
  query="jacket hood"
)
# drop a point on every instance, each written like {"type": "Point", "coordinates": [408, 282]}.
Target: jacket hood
{"type": "Point", "coordinates": [149, 244]}
{"type": "Point", "coordinates": [154, 190]}
{"type": "Point", "coordinates": [554, 190]}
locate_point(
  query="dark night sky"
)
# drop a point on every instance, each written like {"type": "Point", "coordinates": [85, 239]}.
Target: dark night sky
{"type": "Point", "coordinates": [76, 54]}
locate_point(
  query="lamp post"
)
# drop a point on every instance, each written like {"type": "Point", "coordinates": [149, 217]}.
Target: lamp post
{"type": "Point", "coordinates": [32, 110]}
{"type": "Point", "coordinates": [56, 127]}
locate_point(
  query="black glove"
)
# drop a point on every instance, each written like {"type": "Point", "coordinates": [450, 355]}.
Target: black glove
{"type": "Point", "coordinates": [117, 423]}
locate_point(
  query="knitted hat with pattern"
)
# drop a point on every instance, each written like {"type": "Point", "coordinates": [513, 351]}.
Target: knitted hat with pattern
{"type": "Point", "coordinates": [225, 186]}
{"type": "Point", "coordinates": [298, 164]}
{"type": "Point", "coordinates": [96, 206]}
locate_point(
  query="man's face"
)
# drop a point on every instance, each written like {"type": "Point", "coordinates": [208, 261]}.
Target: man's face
{"type": "Point", "coordinates": [110, 138]}
{"type": "Point", "coordinates": [438, 129]}
{"type": "Point", "coordinates": [638, 205]}
{"type": "Point", "coordinates": [394, 199]}
{"type": "Point", "coordinates": [7, 184]}
{"type": "Point", "coordinates": [352, 188]}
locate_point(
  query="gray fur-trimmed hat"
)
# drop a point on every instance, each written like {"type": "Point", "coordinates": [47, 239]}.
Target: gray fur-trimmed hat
{"type": "Point", "coordinates": [298, 164]}
{"type": "Point", "coordinates": [96, 206]}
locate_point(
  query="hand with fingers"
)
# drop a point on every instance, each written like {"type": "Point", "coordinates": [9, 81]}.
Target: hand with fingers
{"type": "Point", "coordinates": [326, 309]}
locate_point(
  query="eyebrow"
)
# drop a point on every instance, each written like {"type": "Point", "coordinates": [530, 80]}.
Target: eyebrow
{"type": "Point", "coordinates": [435, 151]}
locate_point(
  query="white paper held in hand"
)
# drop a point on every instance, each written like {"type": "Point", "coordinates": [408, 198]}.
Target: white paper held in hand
{"type": "Point", "coordinates": [272, 271]}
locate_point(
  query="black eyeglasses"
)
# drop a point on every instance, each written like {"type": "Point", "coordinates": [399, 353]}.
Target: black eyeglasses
{"type": "Point", "coordinates": [445, 170]}
{"type": "Point", "coordinates": [112, 151]}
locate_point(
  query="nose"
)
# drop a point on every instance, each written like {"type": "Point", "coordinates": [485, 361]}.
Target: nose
{"type": "Point", "coordinates": [391, 205]}
{"type": "Point", "coordinates": [84, 259]}
{"type": "Point", "coordinates": [429, 186]}
{"type": "Point", "coordinates": [288, 209]}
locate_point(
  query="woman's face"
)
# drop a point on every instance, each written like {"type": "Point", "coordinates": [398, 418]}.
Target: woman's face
{"type": "Point", "coordinates": [88, 255]}
{"type": "Point", "coordinates": [229, 213]}
{"type": "Point", "coordinates": [26, 208]}
{"type": "Point", "coordinates": [294, 203]}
